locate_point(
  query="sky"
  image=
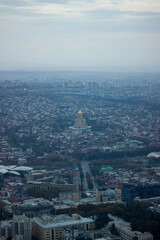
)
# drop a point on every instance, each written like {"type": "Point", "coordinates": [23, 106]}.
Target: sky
{"type": "Point", "coordinates": [50, 34]}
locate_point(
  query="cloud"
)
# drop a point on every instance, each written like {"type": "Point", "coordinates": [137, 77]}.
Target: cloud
{"type": "Point", "coordinates": [84, 9]}
{"type": "Point", "coordinates": [80, 15]}
{"type": "Point", "coordinates": [51, 1]}
{"type": "Point", "coordinates": [76, 16]}
{"type": "Point", "coordinates": [86, 30]}
{"type": "Point", "coordinates": [14, 2]}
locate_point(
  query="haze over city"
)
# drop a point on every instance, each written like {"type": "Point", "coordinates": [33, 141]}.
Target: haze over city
{"type": "Point", "coordinates": [80, 34]}
{"type": "Point", "coordinates": [79, 120]}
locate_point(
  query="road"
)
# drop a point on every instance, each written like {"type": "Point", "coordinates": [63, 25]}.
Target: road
{"type": "Point", "coordinates": [85, 169]}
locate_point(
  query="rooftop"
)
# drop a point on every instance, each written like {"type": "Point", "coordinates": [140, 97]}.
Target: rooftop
{"type": "Point", "coordinates": [32, 203]}
{"type": "Point", "coordinates": [61, 220]}
{"type": "Point", "coordinates": [13, 169]}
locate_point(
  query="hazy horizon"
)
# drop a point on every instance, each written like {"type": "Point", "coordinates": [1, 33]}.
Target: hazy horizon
{"type": "Point", "coordinates": [100, 69]}
{"type": "Point", "coordinates": [102, 35]}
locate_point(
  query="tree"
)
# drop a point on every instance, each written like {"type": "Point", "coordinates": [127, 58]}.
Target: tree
{"type": "Point", "coordinates": [89, 181]}
{"type": "Point", "coordinates": [86, 208]}
{"type": "Point", "coordinates": [9, 238]}
{"type": "Point", "coordinates": [83, 195]}
{"type": "Point", "coordinates": [4, 215]}
{"type": "Point", "coordinates": [114, 230]}
{"type": "Point", "coordinates": [118, 211]}
{"type": "Point", "coordinates": [51, 193]}
{"type": "Point", "coordinates": [154, 227]}
{"type": "Point", "coordinates": [101, 220]}
{"type": "Point", "coordinates": [135, 238]}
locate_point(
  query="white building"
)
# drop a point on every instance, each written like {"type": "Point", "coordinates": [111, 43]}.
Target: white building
{"type": "Point", "coordinates": [19, 228]}
{"type": "Point", "coordinates": [5, 229]}
{"type": "Point", "coordinates": [54, 227]}
{"type": "Point", "coordinates": [21, 225]}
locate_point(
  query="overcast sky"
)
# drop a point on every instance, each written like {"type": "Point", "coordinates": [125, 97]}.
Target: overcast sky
{"type": "Point", "coordinates": [69, 33]}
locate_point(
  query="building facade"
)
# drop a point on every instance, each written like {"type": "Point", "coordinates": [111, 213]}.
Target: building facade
{"type": "Point", "coordinates": [131, 191]}
{"type": "Point", "coordinates": [105, 194]}
{"type": "Point", "coordinates": [18, 228]}
{"type": "Point", "coordinates": [75, 196]}
{"type": "Point", "coordinates": [33, 208]}
{"type": "Point", "coordinates": [21, 225]}
{"type": "Point", "coordinates": [5, 229]}
{"type": "Point", "coordinates": [54, 227]}
{"type": "Point", "coordinates": [48, 185]}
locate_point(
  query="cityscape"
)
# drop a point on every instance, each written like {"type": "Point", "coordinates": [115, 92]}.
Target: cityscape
{"type": "Point", "coordinates": [79, 120]}
{"type": "Point", "coordinates": [79, 155]}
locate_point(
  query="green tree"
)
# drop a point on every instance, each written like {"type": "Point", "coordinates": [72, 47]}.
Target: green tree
{"type": "Point", "coordinates": [101, 220]}
{"type": "Point", "coordinates": [89, 181]}
{"type": "Point", "coordinates": [9, 238]}
{"type": "Point", "coordinates": [47, 194]}
{"type": "Point", "coordinates": [114, 230]}
{"type": "Point", "coordinates": [154, 227]}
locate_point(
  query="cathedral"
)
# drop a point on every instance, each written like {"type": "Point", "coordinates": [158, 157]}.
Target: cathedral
{"type": "Point", "coordinates": [80, 124]}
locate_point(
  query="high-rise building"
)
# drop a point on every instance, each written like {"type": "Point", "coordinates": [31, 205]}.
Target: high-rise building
{"type": "Point", "coordinates": [18, 228]}
{"type": "Point", "coordinates": [21, 225]}
{"type": "Point", "coordinates": [131, 191]}
{"type": "Point", "coordinates": [5, 229]}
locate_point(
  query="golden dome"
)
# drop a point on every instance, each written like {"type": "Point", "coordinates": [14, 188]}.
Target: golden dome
{"type": "Point", "coordinates": [80, 112]}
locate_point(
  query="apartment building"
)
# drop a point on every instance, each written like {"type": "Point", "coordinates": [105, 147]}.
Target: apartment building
{"type": "Point", "coordinates": [53, 227]}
